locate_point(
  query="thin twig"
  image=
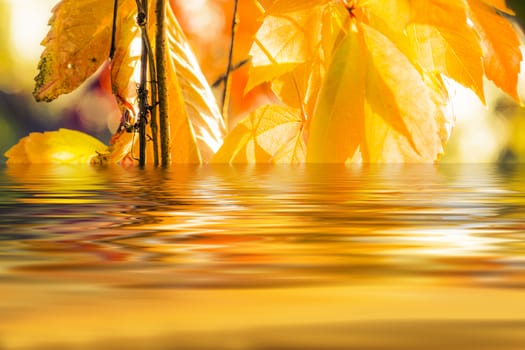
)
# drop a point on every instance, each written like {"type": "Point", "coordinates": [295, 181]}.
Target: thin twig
{"type": "Point", "coordinates": [227, 81]}
{"type": "Point", "coordinates": [153, 102]}
{"type": "Point", "coordinates": [113, 46]}
{"type": "Point", "coordinates": [160, 53]}
{"type": "Point", "coordinates": [222, 78]}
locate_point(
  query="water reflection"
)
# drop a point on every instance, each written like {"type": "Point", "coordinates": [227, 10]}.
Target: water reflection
{"type": "Point", "coordinates": [223, 226]}
{"type": "Point", "coordinates": [140, 232]}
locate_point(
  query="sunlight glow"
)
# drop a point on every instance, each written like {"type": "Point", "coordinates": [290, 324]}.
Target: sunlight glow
{"type": "Point", "coordinates": [521, 77]}
{"type": "Point", "coordinates": [135, 51]}
{"type": "Point", "coordinates": [28, 26]}
{"type": "Point", "coordinates": [205, 24]}
{"type": "Point", "coordinates": [451, 241]}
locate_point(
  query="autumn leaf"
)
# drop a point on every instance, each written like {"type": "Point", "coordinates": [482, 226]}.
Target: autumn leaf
{"type": "Point", "coordinates": [336, 128]}
{"type": "Point", "coordinates": [199, 101]}
{"type": "Point", "coordinates": [271, 134]}
{"type": "Point", "coordinates": [440, 51]}
{"type": "Point", "coordinates": [443, 42]}
{"type": "Point", "coordinates": [297, 64]}
{"type": "Point", "coordinates": [500, 43]}
{"type": "Point", "coordinates": [76, 46]}
{"type": "Point", "coordinates": [405, 118]}
{"type": "Point", "coordinates": [62, 146]}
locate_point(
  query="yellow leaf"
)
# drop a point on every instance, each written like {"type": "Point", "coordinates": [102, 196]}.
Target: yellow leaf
{"type": "Point", "coordinates": [76, 45]}
{"type": "Point", "coordinates": [297, 70]}
{"type": "Point", "coordinates": [282, 43]}
{"type": "Point", "coordinates": [441, 51]}
{"type": "Point", "coordinates": [337, 126]}
{"type": "Point", "coordinates": [440, 13]}
{"type": "Point", "coordinates": [268, 135]}
{"type": "Point", "coordinates": [62, 146]}
{"type": "Point", "coordinates": [444, 42]}
{"type": "Point", "coordinates": [405, 118]}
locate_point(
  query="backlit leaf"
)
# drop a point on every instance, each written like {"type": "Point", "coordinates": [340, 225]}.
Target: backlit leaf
{"type": "Point", "coordinates": [268, 135]}
{"type": "Point", "coordinates": [61, 146]}
{"type": "Point", "coordinates": [445, 42]}
{"type": "Point", "coordinates": [282, 43]}
{"type": "Point", "coordinates": [404, 116]}
{"type": "Point", "coordinates": [76, 46]}
{"type": "Point", "coordinates": [444, 52]}
{"type": "Point", "coordinates": [501, 47]}
{"type": "Point", "coordinates": [336, 129]}
{"type": "Point", "coordinates": [199, 101]}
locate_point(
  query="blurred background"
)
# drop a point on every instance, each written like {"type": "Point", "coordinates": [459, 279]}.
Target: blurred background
{"type": "Point", "coordinates": [492, 133]}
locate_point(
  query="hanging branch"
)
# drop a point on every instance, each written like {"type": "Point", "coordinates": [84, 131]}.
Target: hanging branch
{"type": "Point", "coordinates": [233, 68]}
{"type": "Point", "coordinates": [153, 103]}
{"type": "Point", "coordinates": [227, 80]}
{"type": "Point", "coordinates": [142, 19]}
{"type": "Point", "coordinates": [164, 126]}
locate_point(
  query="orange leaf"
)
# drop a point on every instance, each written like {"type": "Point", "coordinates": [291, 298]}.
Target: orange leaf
{"type": "Point", "coordinates": [501, 5]}
{"type": "Point", "coordinates": [196, 96]}
{"type": "Point", "coordinates": [501, 46]}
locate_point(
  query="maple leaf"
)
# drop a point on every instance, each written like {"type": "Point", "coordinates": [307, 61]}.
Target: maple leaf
{"type": "Point", "coordinates": [78, 44]}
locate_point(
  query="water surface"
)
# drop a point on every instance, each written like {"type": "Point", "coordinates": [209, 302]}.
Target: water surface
{"type": "Point", "coordinates": [364, 257]}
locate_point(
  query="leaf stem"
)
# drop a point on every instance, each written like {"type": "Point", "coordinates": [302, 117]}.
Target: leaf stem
{"type": "Point", "coordinates": [227, 80]}
{"type": "Point", "coordinates": [160, 53]}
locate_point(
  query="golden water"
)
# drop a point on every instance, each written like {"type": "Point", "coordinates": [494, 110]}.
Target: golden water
{"type": "Point", "coordinates": [318, 257]}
